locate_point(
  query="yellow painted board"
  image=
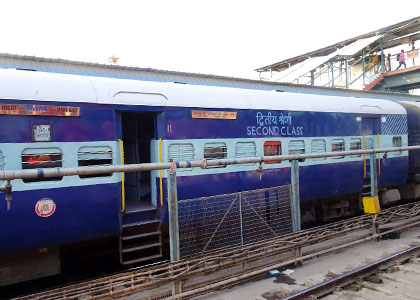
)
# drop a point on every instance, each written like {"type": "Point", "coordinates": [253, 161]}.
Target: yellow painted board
{"type": "Point", "coordinates": [371, 205]}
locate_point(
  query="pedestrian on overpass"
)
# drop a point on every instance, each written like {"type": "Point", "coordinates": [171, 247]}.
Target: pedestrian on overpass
{"type": "Point", "coordinates": [401, 59]}
{"type": "Point", "coordinates": [388, 62]}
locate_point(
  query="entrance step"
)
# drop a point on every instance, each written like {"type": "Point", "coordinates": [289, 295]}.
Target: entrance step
{"type": "Point", "coordinates": [366, 189]}
{"type": "Point", "coordinates": [141, 237]}
{"type": "Point", "coordinates": [139, 214]}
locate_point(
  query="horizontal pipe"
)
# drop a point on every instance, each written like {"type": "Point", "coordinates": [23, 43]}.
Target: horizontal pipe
{"type": "Point", "coordinates": [203, 163]}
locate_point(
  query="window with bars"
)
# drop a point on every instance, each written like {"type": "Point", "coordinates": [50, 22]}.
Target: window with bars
{"type": "Point", "coordinates": [368, 143]}
{"type": "Point", "coordinates": [318, 146]}
{"type": "Point", "coordinates": [397, 142]}
{"type": "Point", "coordinates": [181, 152]}
{"type": "Point", "coordinates": [355, 144]}
{"type": "Point", "coordinates": [338, 145]}
{"type": "Point", "coordinates": [245, 149]}
{"type": "Point", "coordinates": [272, 148]}
{"type": "Point", "coordinates": [94, 156]}
{"type": "Point", "coordinates": [297, 147]}
{"type": "Point", "coordinates": [215, 151]}
{"type": "Point", "coordinates": [36, 158]}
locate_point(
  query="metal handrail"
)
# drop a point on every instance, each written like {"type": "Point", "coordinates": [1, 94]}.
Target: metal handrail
{"type": "Point", "coordinates": [202, 163]}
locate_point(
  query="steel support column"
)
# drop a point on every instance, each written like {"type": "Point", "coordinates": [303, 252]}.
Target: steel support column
{"type": "Point", "coordinates": [346, 69]}
{"type": "Point", "coordinates": [332, 72]}
{"type": "Point", "coordinates": [173, 225]}
{"type": "Point", "coordinates": [382, 56]}
{"type": "Point", "coordinates": [313, 77]}
{"type": "Point", "coordinates": [294, 193]}
{"type": "Point", "coordinates": [373, 176]}
{"type": "Point", "coordinates": [364, 65]}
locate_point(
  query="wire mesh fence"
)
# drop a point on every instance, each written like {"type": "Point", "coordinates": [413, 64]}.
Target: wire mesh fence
{"type": "Point", "coordinates": [211, 223]}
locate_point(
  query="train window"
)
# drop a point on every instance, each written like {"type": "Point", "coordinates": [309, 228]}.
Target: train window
{"type": "Point", "coordinates": [36, 158]}
{"type": "Point", "coordinates": [272, 148]}
{"type": "Point", "coordinates": [181, 152]}
{"type": "Point", "coordinates": [355, 144]}
{"type": "Point", "coordinates": [397, 142]}
{"type": "Point", "coordinates": [297, 147]}
{"type": "Point", "coordinates": [94, 156]}
{"type": "Point", "coordinates": [215, 151]}
{"type": "Point", "coordinates": [369, 143]}
{"type": "Point", "coordinates": [338, 145]}
{"type": "Point", "coordinates": [318, 146]}
{"type": "Point", "coordinates": [245, 149]}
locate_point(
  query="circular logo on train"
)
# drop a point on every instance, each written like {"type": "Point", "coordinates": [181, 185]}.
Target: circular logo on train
{"type": "Point", "coordinates": [45, 207]}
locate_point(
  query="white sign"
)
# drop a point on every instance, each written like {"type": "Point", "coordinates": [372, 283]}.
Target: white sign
{"type": "Point", "coordinates": [42, 133]}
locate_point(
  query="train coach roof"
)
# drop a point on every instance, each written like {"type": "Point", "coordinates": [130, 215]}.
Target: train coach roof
{"type": "Point", "coordinates": [27, 85]}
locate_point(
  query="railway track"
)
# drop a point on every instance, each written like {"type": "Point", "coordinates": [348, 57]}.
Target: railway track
{"type": "Point", "coordinates": [193, 277]}
{"type": "Point", "coordinates": [369, 273]}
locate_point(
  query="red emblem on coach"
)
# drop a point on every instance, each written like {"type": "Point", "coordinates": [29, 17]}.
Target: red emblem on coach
{"type": "Point", "coordinates": [45, 207]}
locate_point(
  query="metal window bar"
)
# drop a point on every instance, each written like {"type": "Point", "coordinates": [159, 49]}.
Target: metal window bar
{"type": "Point", "coordinates": [355, 144]}
{"type": "Point", "coordinates": [95, 156]}
{"type": "Point", "coordinates": [318, 146]}
{"type": "Point", "coordinates": [245, 149]}
{"type": "Point", "coordinates": [181, 152]}
{"type": "Point", "coordinates": [44, 158]}
{"type": "Point", "coordinates": [297, 147]}
{"type": "Point", "coordinates": [214, 151]}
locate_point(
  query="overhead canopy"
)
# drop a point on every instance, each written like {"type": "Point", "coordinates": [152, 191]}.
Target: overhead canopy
{"type": "Point", "coordinates": [304, 67]}
{"type": "Point", "coordinates": [392, 36]}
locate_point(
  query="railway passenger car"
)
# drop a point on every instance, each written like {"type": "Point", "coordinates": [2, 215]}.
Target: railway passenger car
{"type": "Point", "coordinates": [51, 120]}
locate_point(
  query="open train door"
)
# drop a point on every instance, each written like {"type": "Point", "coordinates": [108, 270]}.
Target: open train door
{"type": "Point", "coordinates": [138, 130]}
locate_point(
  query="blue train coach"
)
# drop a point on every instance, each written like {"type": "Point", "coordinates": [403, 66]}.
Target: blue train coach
{"type": "Point", "coordinates": [51, 120]}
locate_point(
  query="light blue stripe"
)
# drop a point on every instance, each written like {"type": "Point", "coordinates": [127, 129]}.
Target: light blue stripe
{"type": "Point", "coordinates": [13, 161]}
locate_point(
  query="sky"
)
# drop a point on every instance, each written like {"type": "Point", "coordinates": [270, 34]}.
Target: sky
{"type": "Point", "coordinates": [230, 37]}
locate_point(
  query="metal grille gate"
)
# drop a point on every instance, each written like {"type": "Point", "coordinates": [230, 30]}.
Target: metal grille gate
{"type": "Point", "coordinates": [210, 223]}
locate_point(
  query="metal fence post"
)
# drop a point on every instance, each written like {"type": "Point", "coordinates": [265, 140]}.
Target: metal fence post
{"type": "Point", "coordinates": [295, 199]}
{"type": "Point", "coordinates": [240, 219]}
{"type": "Point", "coordinates": [373, 176]}
{"type": "Point", "coordinates": [374, 189]}
{"type": "Point", "coordinates": [173, 224]}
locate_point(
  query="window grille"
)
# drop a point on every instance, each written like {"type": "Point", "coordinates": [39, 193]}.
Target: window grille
{"type": "Point", "coordinates": [245, 149]}
{"type": "Point", "coordinates": [369, 143]}
{"type": "Point", "coordinates": [355, 144]}
{"type": "Point", "coordinates": [94, 156]}
{"type": "Point", "coordinates": [318, 146]}
{"type": "Point", "coordinates": [272, 148]}
{"type": "Point", "coordinates": [338, 145]}
{"type": "Point", "coordinates": [181, 152]}
{"type": "Point", "coordinates": [215, 151]}
{"type": "Point", "coordinates": [35, 158]}
{"type": "Point", "coordinates": [297, 147]}
{"type": "Point", "coordinates": [397, 142]}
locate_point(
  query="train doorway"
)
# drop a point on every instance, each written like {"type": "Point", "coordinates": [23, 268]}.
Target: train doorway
{"type": "Point", "coordinates": [138, 130]}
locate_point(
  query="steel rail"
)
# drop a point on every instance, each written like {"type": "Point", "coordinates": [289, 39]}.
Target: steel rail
{"type": "Point", "coordinates": [347, 278]}
{"type": "Point", "coordinates": [203, 163]}
{"type": "Point", "coordinates": [152, 277]}
{"type": "Point", "coordinates": [245, 276]}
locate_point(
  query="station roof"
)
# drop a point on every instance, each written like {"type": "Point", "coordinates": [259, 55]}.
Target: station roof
{"type": "Point", "coordinates": [392, 36]}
